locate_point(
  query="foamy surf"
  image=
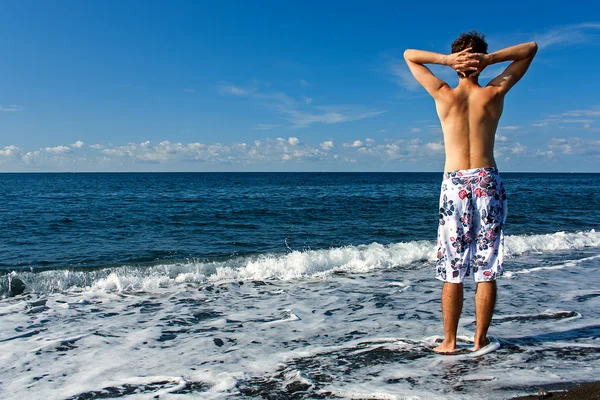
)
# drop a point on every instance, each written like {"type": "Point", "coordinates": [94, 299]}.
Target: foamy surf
{"type": "Point", "coordinates": [519, 244]}
{"type": "Point", "coordinates": [287, 267]}
{"type": "Point", "coordinates": [341, 335]}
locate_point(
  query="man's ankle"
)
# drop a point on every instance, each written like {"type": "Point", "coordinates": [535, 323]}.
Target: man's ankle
{"type": "Point", "coordinates": [481, 340]}
{"type": "Point", "coordinates": [450, 341]}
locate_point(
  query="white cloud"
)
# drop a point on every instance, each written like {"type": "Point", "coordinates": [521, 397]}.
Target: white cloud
{"type": "Point", "coordinates": [137, 156]}
{"type": "Point", "coordinates": [10, 150]}
{"type": "Point", "coordinates": [413, 151]}
{"type": "Point", "coordinates": [579, 116]}
{"type": "Point", "coordinates": [304, 83]}
{"type": "Point", "coordinates": [11, 108]}
{"type": "Point", "coordinates": [27, 156]}
{"type": "Point", "coordinates": [355, 144]}
{"type": "Point", "coordinates": [300, 113]}
{"type": "Point", "coordinates": [236, 90]}
{"type": "Point", "coordinates": [31, 156]}
{"type": "Point", "coordinates": [119, 152]}
{"type": "Point", "coordinates": [276, 99]}
{"type": "Point", "coordinates": [415, 130]}
{"type": "Point", "coordinates": [77, 145]}
{"type": "Point", "coordinates": [568, 35]}
{"type": "Point", "coordinates": [327, 145]}
{"type": "Point", "coordinates": [575, 146]}
{"type": "Point", "coordinates": [189, 90]}
{"type": "Point", "coordinates": [327, 115]}
{"type": "Point", "coordinates": [265, 127]}
{"type": "Point", "coordinates": [434, 129]}
{"type": "Point", "coordinates": [518, 148]}
{"type": "Point", "coordinates": [436, 147]}
{"type": "Point", "coordinates": [269, 150]}
{"type": "Point", "coordinates": [509, 128]}
{"type": "Point", "coordinates": [549, 153]}
{"type": "Point", "coordinates": [59, 149]}
{"type": "Point", "coordinates": [571, 121]}
{"type": "Point", "coordinates": [402, 76]}
{"type": "Point", "coordinates": [591, 112]}
{"type": "Point", "coordinates": [274, 153]}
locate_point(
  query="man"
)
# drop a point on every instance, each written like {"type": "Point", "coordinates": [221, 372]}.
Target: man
{"type": "Point", "coordinates": [472, 200]}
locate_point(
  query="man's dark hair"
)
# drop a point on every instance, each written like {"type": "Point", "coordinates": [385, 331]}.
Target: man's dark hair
{"type": "Point", "coordinates": [474, 40]}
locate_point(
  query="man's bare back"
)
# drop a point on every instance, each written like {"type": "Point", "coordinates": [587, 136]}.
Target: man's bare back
{"type": "Point", "coordinates": [473, 200]}
{"type": "Point", "coordinates": [469, 113]}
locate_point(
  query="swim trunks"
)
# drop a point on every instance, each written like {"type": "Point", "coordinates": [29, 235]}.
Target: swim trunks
{"type": "Point", "coordinates": [472, 215]}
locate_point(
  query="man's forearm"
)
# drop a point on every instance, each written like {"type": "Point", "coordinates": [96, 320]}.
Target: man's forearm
{"type": "Point", "coordinates": [513, 53]}
{"type": "Point", "coordinates": [425, 57]}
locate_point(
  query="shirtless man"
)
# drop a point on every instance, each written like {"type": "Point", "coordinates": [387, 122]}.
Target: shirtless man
{"type": "Point", "coordinates": [472, 200]}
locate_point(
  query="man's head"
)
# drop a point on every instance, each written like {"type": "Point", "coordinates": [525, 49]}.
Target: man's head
{"type": "Point", "coordinates": [474, 40]}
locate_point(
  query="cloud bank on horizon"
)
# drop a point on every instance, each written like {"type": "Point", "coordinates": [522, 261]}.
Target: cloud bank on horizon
{"type": "Point", "coordinates": [289, 154]}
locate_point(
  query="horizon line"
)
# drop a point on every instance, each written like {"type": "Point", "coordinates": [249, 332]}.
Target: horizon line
{"type": "Point", "coordinates": [280, 172]}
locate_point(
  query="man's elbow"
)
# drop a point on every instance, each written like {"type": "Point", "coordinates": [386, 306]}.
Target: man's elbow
{"type": "Point", "coordinates": [533, 49]}
{"type": "Point", "coordinates": [407, 54]}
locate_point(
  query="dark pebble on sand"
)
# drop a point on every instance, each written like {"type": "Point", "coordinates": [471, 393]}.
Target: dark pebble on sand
{"type": "Point", "coordinates": [297, 387]}
{"type": "Point", "coordinates": [17, 286]}
{"type": "Point", "coordinates": [218, 342]}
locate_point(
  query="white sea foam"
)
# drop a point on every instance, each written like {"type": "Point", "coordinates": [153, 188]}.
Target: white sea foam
{"type": "Point", "coordinates": [349, 335]}
{"type": "Point", "coordinates": [290, 266]}
{"type": "Point", "coordinates": [519, 244]}
{"type": "Point", "coordinates": [569, 263]}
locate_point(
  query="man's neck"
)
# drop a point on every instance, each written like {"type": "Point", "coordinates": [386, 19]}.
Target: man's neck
{"type": "Point", "coordinates": [468, 81]}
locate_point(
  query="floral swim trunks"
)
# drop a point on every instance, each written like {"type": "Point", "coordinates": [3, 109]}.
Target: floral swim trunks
{"type": "Point", "coordinates": [472, 214]}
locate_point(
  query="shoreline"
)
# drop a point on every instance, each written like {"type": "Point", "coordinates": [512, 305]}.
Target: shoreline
{"type": "Point", "coordinates": [567, 390]}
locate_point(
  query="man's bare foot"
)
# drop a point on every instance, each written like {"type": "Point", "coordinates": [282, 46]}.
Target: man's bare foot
{"type": "Point", "coordinates": [445, 347]}
{"type": "Point", "coordinates": [479, 344]}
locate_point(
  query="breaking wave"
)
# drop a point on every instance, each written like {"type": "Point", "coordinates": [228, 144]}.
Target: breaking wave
{"type": "Point", "coordinates": [289, 266]}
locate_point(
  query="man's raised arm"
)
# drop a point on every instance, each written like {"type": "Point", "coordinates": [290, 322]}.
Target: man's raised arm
{"type": "Point", "coordinates": [416, 58]}
{"type": "Point", "coordinates": [521, 56]}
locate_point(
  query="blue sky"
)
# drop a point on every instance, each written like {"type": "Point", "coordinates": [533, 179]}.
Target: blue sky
{"type": "Point", "coordinates": [279, 85]}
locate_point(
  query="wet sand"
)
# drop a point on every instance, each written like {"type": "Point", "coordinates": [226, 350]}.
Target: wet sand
{"type": "Point", "coordinates": [574, 391]}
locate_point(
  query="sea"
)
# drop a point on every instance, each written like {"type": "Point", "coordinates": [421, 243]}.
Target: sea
{"type": "Point", "coordinates": [282, 286]}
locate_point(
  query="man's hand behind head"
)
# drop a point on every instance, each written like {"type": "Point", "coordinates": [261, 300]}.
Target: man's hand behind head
{"type": "Point", "coordinates": [482, 59]}
{"type": "Point", "coordinates": [464, 62]}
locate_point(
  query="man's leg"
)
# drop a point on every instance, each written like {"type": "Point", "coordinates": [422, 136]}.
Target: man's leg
{"type": "Point", "coordinates": [485, 300]}
{"type": "Point", "coordinates": [452, 303]}
{"type": "Point", "coordinates": [488, 250]}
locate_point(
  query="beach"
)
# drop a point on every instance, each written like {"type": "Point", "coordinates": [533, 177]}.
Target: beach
{"type": "Point", "coordinates": [284, 286]}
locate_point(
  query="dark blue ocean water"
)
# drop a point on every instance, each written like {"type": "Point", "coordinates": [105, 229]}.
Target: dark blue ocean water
{"type": "Point", "coordinates": [104, 219]}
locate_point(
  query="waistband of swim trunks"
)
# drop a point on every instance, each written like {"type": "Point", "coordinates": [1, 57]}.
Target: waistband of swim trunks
{"type": "Point", "coordinates": [470, 172]}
